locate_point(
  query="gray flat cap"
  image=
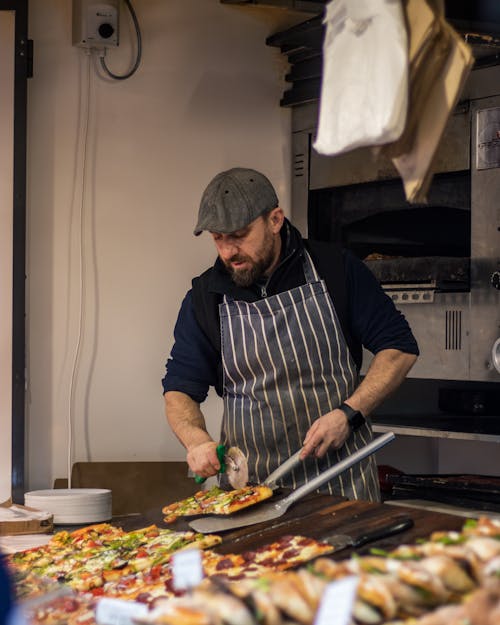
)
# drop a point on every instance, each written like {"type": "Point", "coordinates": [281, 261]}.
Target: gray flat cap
{"type": "Point", "coordinates": [233, 199]}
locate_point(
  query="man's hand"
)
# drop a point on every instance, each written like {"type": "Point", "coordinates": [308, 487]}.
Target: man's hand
{"type": "Point", "coordinates": [202, 459]}
{"type": "Point", "coordinates": [330, 430]}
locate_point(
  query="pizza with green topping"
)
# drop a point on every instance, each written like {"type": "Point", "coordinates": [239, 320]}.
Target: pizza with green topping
{"type": "Point", "coordinates": [85, 559]}
{"type": "Point", "coordinates": [216, 501]}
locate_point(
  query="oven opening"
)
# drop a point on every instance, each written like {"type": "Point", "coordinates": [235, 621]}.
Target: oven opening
{"type": "Point", "coordinates": [405, 245]}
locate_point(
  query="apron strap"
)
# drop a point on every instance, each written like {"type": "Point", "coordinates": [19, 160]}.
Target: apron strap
{"type": "Point", "coordinates": [310, 272]}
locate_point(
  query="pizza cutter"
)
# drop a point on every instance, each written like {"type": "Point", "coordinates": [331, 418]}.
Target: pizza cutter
{"type": "Point", "coordinates": [233, 463]}
{"type": "Point", "coordinates": [236, 467]}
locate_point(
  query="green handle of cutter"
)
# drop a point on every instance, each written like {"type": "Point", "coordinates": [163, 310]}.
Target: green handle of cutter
{"type": "Point", "coordinates": [221, 455]}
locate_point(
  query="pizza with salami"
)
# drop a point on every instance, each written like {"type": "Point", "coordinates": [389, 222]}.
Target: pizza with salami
{"type": "Point", "coordinates": [286, 552]}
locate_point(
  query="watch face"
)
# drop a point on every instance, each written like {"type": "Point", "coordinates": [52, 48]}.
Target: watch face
{"type": "Point", "coordinates": [356, 420]}
{"type": "Point", "coordinates": [354, 417]}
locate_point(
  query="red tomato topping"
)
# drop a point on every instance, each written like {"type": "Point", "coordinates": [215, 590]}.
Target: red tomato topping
{"type": "Point", "coordinates": [291, 553]}
{"type": "Point", "coordinates": [226, 563]}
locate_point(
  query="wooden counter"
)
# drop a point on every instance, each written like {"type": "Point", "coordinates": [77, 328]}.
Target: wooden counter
{"type": "Point", "coordinates": [318, 516]}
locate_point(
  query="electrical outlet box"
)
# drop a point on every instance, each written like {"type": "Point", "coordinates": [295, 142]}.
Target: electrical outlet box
{"type": "Point", "coordinates": [96, 24]}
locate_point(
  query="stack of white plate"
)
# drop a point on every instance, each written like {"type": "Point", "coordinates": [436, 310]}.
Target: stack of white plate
{"type": "Point", "coordinates": [72, 506]}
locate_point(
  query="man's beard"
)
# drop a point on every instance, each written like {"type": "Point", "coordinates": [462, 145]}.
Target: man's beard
{"type": "Point", "coordinates": [246, 277]}
{"type": "Point", "coordinates": [257, 268]}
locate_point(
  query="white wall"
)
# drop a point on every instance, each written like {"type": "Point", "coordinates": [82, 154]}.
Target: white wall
{"type": "Point", "coordinates": [205, 98]}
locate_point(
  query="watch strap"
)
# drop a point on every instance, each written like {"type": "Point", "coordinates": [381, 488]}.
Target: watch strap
{"type": "Point", "coordinates": [355, 418]}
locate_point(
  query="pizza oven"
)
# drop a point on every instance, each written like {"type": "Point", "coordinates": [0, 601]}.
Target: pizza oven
{"type": "Point", "coordinates": [439, 261]}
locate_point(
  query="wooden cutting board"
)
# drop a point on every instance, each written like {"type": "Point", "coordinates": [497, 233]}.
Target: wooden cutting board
{"type": "Point", "coordinates": [321, 516]}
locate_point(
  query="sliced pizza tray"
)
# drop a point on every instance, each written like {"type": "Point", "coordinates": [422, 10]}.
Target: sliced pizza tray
{"type": "Point", "coordinates": [269, 510]}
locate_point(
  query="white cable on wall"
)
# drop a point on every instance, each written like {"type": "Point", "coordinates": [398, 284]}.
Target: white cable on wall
{"type": "Point", "coordinates": [80, 200]}
{"type": "Point", "coordinates": [81, 256]}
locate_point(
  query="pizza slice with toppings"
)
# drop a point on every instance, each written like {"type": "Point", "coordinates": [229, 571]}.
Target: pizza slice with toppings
{"type": "Point", "coordinates": [65, 544]}
{"type": "Point", "coordinates": [287, 552]}
{"type": "Point", "coordinates": [113, 565]}
{"type": "Point", "coordinates": [216, 501]}
{"type": "Point", "coordinates": [290, 551]}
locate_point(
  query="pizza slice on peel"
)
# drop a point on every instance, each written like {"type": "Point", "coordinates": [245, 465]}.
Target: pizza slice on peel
{"type": "Point", "coordinates": [216, 501]}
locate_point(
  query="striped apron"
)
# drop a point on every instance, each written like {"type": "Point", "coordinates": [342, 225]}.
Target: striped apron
{"type": "Point", "coordinates": [286, 363]}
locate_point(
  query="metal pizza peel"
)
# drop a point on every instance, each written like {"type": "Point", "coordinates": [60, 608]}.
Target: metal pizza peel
{"type": "Point", "coordinates": [268, 511]}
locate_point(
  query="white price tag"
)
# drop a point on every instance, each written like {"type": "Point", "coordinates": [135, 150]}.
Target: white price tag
{"type": "Point", "coordinates": [187, 570]}
{"type": "Point", "coordinates": [337, 602]}
{"type": "Point", "coordinates": [118, 612]}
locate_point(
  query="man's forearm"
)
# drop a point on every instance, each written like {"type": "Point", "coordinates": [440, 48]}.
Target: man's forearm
{"type": "Point", "coordinates": [187, 422]}
{"type": "Point", "coordinates": [386, 372]}
{"type": "Point", "coordinates": [186, 419]}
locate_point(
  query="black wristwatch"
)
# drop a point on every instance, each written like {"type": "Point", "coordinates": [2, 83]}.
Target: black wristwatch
{"type": "Point", "coordinates": [355, 418]}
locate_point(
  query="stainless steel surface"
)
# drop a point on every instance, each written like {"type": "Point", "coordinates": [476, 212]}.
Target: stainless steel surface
{"type": "Point", "coordinates": [495, 355]}
{"type": "Point", "coordinates": [442, 330]}
{"type": "Point", "coordinates": [282, 470]}
{"type": "Point", "coordinates": [406, 430]}
{"type": "Point", "coordinates": [272, 510]}
{"type": "Point", "coordinates": [412, 293]}
{"type": "Point", "coordinates": [456, 332]}
{"type": "Point", "coordinates": [442, 508]}
{"type": "Point", "coordinates": [300, 178]}
{"type": "Point", "coordinates": [485, 258]}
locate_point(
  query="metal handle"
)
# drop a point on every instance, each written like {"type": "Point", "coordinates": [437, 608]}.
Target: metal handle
{"type": "Point", "coordinates": [340, 467]}
{"type": "Point", "coordinates": [283, 469]}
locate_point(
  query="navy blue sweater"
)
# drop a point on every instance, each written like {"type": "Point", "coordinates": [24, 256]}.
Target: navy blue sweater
{"type": "Point", "coordinates": [6, 593]}
{"type": "Point", "coordinates": [374, 322]}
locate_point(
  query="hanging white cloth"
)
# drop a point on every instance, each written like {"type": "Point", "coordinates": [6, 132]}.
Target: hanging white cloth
{"type": "Point", "coordinates": [364, 91]}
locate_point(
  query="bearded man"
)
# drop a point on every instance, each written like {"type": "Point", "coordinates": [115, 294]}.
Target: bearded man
{"type": "Point", "coordinates": [277, 326]}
